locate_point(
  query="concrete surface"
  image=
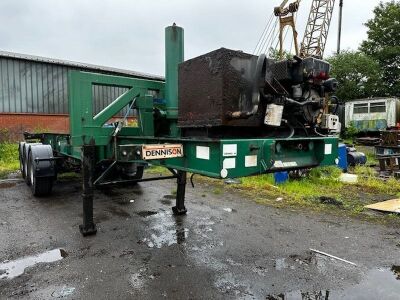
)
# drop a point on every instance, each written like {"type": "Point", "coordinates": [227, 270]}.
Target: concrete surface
{"type": "Point", "coordinates": [225, 248]}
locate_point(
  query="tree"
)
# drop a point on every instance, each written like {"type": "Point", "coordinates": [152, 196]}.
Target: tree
{"type": "Point", "coordinates": [274, 54]}
{"type": "Point", "coordinates": [383, 43]}
{"type": "Point", "coordinates": [359, 75]}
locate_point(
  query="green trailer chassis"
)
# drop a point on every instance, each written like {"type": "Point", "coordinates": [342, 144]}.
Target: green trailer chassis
{"type": "Point", "coordinates": [92, 142]}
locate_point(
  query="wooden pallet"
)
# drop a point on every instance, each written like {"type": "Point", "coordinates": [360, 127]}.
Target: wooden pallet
{"type": "Point", "coordinates": [390, 138]}
{"type": "Point", "coordinates": [389, 162]}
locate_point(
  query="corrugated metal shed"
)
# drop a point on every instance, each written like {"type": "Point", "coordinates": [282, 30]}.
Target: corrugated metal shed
{"type": "Point", "coordinates": [34, 84]}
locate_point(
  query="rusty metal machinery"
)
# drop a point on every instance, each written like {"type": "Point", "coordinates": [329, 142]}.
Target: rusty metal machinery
{"type": "Point", "coordinates": [232, 93]}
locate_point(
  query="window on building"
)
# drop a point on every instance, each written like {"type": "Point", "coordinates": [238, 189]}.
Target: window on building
{"type": "Point", "coordinates": [360, 108]}
{"type": "Point", "coordinates": [377, 107]}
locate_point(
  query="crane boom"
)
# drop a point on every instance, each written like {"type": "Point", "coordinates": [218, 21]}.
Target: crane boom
{"type": "Point", "coordinates": [286, 18]}
{"type": "Point", "coordinates": [317, 28]}
{"type": "Point", "coordinates": [282, 6]}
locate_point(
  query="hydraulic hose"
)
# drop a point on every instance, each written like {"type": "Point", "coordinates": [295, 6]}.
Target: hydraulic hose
{"type": "Point", "coordinates": [299, 103]}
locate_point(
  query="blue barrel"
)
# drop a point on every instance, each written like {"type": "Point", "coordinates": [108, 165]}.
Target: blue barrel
{"type": "Point", "coordinates": [281, 177]}
{"type": "Point", "coordinates": [342, 157]}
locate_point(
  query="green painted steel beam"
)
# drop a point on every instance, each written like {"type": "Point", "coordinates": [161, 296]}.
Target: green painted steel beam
{"type": "Point", "coordinates": [86, 127]}
{"type": "Point", "coordinates": [224, 158]}
{"type": "Point", "coordinates": [174, 55]}
{"type": "Point", "coordinates": [116, 106]}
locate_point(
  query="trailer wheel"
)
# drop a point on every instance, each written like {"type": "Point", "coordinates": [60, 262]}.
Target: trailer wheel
{"type": "Point", "coordinates": [40, 186]}
{"type": "Point", "coordinates": [25, 157]}
{"type": "Point", "coordinates": [26, 164]}
{"type": "Point", "coordinates": [139, 172]}
{"type": "Point", "coordinates": [21, 158]}
{"type": "Point", "coordinates": [136, 175]}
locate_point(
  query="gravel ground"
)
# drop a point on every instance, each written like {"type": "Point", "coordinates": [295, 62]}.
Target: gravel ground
{"type": "Point", "coordinates": [225, 248]}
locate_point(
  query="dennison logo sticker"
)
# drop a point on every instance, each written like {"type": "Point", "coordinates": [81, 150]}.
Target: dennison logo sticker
{"type": "Point", "coordinates": [162, 151]}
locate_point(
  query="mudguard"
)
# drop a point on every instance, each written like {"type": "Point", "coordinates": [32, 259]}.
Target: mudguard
{"type": "Point", "coordinates": [43, 160]}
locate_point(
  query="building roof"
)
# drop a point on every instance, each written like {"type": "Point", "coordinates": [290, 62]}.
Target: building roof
{"type": "Point", "coordinates": [89, 67]}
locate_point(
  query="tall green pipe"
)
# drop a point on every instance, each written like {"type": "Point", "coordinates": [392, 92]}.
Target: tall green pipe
{"type": "Point", "coordinates": [173, 57]}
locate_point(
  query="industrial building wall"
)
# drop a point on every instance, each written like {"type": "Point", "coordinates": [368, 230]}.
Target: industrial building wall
{"type": "Point", "coordinates": [32, 87]}
{"type": "Point", "coordinates": [34, 97]}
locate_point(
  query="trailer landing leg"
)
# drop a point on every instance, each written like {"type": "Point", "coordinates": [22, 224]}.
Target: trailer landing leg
{"type": "Point", "coordinates": [180, 209]}
{"type": "Point", "coordinates": [88, 227]}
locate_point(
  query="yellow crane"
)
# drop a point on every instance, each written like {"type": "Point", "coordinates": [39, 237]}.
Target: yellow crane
{"type": "Point", "coordinates": [316, 32]}
{"type": "Point", "coordinates": [317, 28]}
{"type": "Point", "coordinates": [286, 16]}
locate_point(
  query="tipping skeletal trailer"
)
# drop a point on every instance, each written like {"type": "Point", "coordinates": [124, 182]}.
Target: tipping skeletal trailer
{"type": "Point", "coordinates": [109, 155]}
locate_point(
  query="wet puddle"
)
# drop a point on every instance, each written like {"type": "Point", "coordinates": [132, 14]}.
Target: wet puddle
{"type": "Point", "coordinates": [118, 212]}
{"type": "Point", "coordinates": [165, 229]}
{"type": "Point", "coordinates": [376, 284]}
{"type": "Point", "coordinates": [307, 259]}
{"type": "Point", "coordinates": [63, 292]}
{"type": "Point", "coordinates": [166, 201]}
{"type": "Point", "coordinates": [146, 213]}
{"type": "Point", "coordinates": [15, 268]}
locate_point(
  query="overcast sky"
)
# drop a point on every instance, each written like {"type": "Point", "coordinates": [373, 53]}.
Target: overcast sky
{"type": "Point", "coordinates": [129, 34]}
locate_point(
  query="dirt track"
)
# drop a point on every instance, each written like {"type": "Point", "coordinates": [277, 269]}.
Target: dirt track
{"type": "Point", "coordinates": [226, 247]}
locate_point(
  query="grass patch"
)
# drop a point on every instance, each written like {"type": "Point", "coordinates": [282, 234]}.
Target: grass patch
{"type": "Point", "coordinates": [9, 161]}
{"type": "Point", "coordinates": [321, 190]}
{"type": "Point", "coordinates": [321, 182]}
{"type": "Point", "coordinates": [173, 192]}
{"type": "Point", "coordinates": [217, 191]}
{"type": "Point", "coordinates": [369, 151]}
{"type": "Point", "coordinates": [157, 170]}
{"type": "Point", "coordinates": [69, 176]}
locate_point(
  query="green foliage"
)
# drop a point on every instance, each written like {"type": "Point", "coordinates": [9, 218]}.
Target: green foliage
{"type": "Point", "coordinates": [322, 189]}
{"type": "Point", "coordinates": [351, 132]}
{"type": "Point", "coordinates": [40, 129]}
{"type": "Point", "coordinates": [383, 43]}
{"type": "Point", "coordinates": [365, 171]}
{"type": "Point", "coordinates": [9, 161]}
{"type": "Point", "coordinates": [157, 170]}
{"type": "Point", "coordinates": [359, 75]}
{"type": "Point", "coordinates": [261, 181]}
{"type": "Point", "coordinates": [217, 191]}
{"type": "Point", "coordinates": [274, 54]}
{"type": "Point", "coordinates": [4, 135]}
{"type": "Point", "coordinates": [330, 173]}
{"type": "Point", "coordinates": [68, 176]}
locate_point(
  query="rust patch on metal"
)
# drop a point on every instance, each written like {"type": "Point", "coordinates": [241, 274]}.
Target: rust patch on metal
{"type": "Point", "coordinates": [214, 84]}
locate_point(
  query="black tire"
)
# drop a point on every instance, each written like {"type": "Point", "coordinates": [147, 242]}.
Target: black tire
{"type": "Point", "coordinates": [139, 173]}
{"type": "Point", "coordinates": [25, 167]}
{"type": "Point", "coordinates": [40, 186]}
{"type": "Point", "coordinates": [21, 158]}
{"type": "Point", "coordinates": [135, 176]}
{"type": "Point", "coordinates": [25, 159]}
